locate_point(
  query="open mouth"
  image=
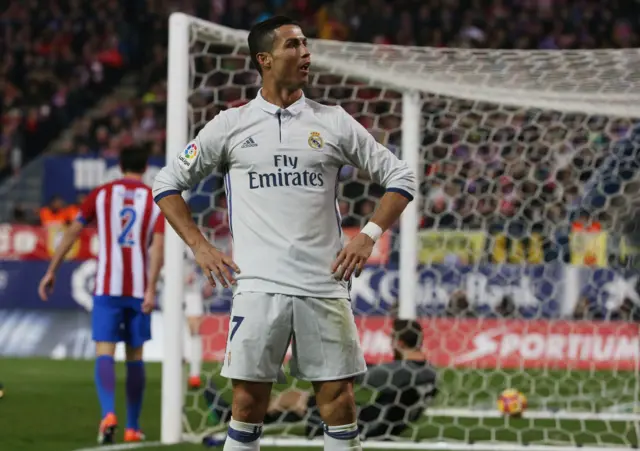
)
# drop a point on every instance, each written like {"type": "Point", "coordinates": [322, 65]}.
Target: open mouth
{"type": "Point", "coordinates": [305, 68]}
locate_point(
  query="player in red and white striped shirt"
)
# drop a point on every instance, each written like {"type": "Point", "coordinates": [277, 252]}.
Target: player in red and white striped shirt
{"type": "Point", "coordinates": [130, 231]}
{"type": "Point", "coordinates": [126, 218]}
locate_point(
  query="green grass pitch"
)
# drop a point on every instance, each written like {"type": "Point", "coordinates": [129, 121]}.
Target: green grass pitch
{"type": "Point", "coordinates": [52, 406]}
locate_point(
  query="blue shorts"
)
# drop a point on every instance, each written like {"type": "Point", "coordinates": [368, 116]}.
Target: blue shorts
{"type": "Point", "coordinates": [120, 318]}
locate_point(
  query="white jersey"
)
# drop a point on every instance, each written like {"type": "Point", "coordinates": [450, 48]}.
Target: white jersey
{"type": "Point", "coordinates": [281, 174]}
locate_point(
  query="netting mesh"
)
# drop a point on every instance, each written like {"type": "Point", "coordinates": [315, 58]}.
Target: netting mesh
{"type": "Point", "coordinates": [593, 81]}
{"type": "Point", "coordinates": [510, 296]}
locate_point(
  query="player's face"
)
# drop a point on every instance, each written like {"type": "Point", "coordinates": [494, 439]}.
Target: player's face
{"type": "Point", "coordinates": [290, 57]}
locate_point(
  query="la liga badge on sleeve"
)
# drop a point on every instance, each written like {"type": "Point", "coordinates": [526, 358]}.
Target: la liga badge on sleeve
{"type": "Point", "coordinates": [188, 155]}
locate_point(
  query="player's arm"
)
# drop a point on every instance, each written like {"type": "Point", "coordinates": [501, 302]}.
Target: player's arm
{"type": "Point", "coordinates": [156, 258]}
{"type": "Point", "coordinates": [85, 216]}
{"type": "Point", "coordinates": [68, 239]}
{"type": "Point", "coordinates": [360, 149]}
{"type": "Point", "coordinates": [201, 158]}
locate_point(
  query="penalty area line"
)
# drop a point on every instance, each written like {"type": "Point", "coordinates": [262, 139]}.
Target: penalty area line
{"type": "Point", "coordinates": [122, 446]}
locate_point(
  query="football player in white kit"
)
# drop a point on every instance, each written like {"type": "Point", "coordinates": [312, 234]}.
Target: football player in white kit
{"type": "Point", "coordinates": [193, 310]}
{"type": "Point", "coordinates": [281, 155]}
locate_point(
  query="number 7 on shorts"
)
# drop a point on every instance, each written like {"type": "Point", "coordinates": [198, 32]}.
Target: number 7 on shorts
{"type": "Point", "coordinates": [235, 323]}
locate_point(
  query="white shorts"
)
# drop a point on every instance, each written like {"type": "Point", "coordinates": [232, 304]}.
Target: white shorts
{"type": "Point", "coordinates": [193, 304]}
{"type": "Point", "coordinates": [322, 332]}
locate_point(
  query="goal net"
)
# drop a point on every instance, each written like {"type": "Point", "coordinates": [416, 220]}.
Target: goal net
{"type": "Point", "coordinates": [510, 293]}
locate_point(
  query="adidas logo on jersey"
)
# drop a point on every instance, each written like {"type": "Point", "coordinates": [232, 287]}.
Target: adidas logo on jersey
{"type": "Point", "coordinates": [249, 143]}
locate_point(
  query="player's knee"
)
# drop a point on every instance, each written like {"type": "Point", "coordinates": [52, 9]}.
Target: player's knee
{"type": "Point", "coordinates": [336, 402]}
{"type": "Point", "coordinates": [105, 348]}
{"type": "Point", "coordinates": [250, 401]}
{"type": "Point", "coordinates": [194, 325]}
{"type": "Point", "coordinates": [133, 353]}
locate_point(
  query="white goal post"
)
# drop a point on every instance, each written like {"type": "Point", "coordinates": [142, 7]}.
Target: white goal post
{"type": "Point", "coordinates": [483, 99]}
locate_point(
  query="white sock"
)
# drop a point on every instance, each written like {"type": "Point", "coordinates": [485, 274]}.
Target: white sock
{"type": "Point", "coordinates": [342, 438]}
{"type": "Point", "coordinates": [243, 436]}
{"type": "Point", "coordinates": [195, 355]}
{"type": "Point", "coordinates": [186, 343]}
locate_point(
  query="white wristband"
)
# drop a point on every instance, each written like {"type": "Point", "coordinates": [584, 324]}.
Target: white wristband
{"type": "Point", "coordinates": [372, 230]}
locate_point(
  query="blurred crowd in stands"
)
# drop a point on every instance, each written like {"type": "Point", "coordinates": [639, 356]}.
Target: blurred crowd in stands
{"type": "Point", "coordinates": [57, 59]}
{"type": "Point", "coordinates": [485, 167]}
{"type": "Point", "coordinates": [482, 166]}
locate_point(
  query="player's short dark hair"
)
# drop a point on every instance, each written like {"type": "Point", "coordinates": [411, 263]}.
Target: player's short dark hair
{"type": "Point", "coordinates": [262, 35]}
{"type": "Point", "coordinates": [134, 159]}
{"type": "Point", "coordinates": [408, 331]}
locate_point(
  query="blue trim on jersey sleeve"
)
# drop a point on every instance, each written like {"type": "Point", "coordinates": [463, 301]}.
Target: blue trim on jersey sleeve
{"type": "Point", "coordinates": [402, 192]}
{"type": "Point", "coordinates": [165, 194]}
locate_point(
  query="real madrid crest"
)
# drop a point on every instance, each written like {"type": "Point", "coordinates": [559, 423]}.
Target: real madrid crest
{"type": "Point", "coordinates": [315, 140]}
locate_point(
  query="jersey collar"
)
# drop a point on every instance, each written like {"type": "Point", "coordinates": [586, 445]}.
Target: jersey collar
{"type": "Point", "coordinates": [270, 108]}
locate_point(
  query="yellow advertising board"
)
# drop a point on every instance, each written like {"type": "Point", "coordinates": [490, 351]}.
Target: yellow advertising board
{"type": "Point", "coordinates": [588, 248]}
{"type": "Point", "coordinates": [505, 249]}
{"type": "Point", "coordinates": [466, 247]}
{"type": "Point", "coordinates": [470, 247]}
{"type": "Point", "coordinates": [438, 245]}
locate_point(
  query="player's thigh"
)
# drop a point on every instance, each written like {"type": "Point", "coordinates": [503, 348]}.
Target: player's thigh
{"type": "Point", "coordinates": [258, 337]}
{"type": "Point", "coordinates": [326, 346]}
{"type": "Point", "coordinates": [136, 324]}
{"type": "Point", "coordinates": [105, 348]}
{"type": "Point", "coordinates": [106, 319]}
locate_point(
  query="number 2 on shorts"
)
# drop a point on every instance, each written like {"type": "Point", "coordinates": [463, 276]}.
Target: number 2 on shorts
{"type": "Point", "coordinates": [235, 321]}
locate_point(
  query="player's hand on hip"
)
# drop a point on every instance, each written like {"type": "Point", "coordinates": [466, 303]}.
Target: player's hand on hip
{"type": "Point", "coordinates": [353, 257]}
{"type": "Point", "coordinates": [149, 302]}
{"type": "Point", "coordinates": [46, 286]}
{"type": "Point", "coordinates": [215, 263]}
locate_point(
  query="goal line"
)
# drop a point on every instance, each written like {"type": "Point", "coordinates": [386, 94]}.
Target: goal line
{"type": "Point", "coordinates": [282, 442]}
{"type": "Point", "coordinates": [534, 415]}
